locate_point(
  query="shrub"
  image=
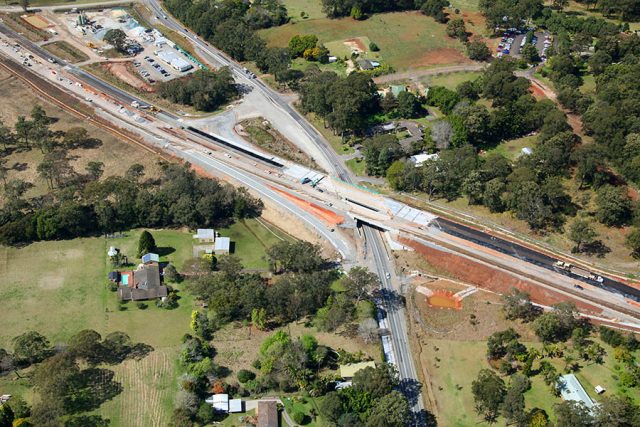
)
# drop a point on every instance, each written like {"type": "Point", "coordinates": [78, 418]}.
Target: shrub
{"type": "Point", "coordinates": [299, 417]}
{"type": "Point", "coordinates": [245, 375]}
{"type": "Point", "coordinates": [141, 305]}
{"type": "Point", "coordinates": [373, 47]}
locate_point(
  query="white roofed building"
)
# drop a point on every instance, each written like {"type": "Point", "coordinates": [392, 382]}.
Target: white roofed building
{"type": "Point", "coordinates": [419, 159]}
{"type": "Point", "coordinates": [175, 61]}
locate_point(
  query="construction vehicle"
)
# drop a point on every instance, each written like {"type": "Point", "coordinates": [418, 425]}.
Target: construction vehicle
{"type": "Point", "coordinates": [91, 45]}
{"type": "Point", "coordinates": [316, 181]}
{"type": "Point", "coordinates": [566, 266]}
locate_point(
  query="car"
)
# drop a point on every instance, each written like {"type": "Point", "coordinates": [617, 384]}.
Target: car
{"type": "Point", "coordinates": [387, 275]}
{"type": "Point", "coordinates": [53, 61]}
{"type": "Point", "coordinates": [580, 288]}
{"type": "Point", "coordinates": [164, 16]}
{"type": "Point", "coordinates": [506, 51]}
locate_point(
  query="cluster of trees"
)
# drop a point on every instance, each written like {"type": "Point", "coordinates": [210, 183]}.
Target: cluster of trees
{"type": "Point", "coordinates": [371, 401]}
{"type": "Point", "coordinates": [555, 328]}
{"type": "Point", "coordinates": [116, 38]}
{"type": "Point", "coordinates": [509, 13]}
{"type": "Point", "coordinates": [301, 288]}
{"type": "Point", "coordinates": [230, 24]}
{"type": "Point", "coordinates": [626, 10]}
{"type": "Point", "coordinates": [204, 90]}
{"type": "Point", "coordinates": [358, 9]}
{"type": "Point", "coordinates": [66, 392]}
{"type": "Point", "coordinates": [307, 47]}
{"type": "Point", "coordinates": [85, 204]}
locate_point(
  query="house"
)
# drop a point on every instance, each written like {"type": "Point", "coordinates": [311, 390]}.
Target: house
{"type": "Point", "coordinates": [149, 258]}
{"type": "Point", "coordinates": [267, 413]}
{"type": "Point", "coordinates": [365, 64]}
{"type": "Point", "coordinates": [571, 389]}
{"type": "Point", "coordinates": [142, 284]}
{"type": "Point", "coordinates": [205, 235]}
{"type": "Point", "coordinates": [348, 371]}
{"type": "Point", "coordinates": [420, 159]}
{"type": "Point", "coordinates": [222, 245]}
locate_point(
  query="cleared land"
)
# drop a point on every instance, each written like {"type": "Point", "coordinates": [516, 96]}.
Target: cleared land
{"type": "Point", "coordinates": [452, 350]}
{"type": "Point", "coordinates": [16, 23]}
{"type": "Point", "coordinates": [65, 51]}
{"type": "Point", "coordinates": [116, 155]}
{"type": "Point", "coordinates": [406, 39]}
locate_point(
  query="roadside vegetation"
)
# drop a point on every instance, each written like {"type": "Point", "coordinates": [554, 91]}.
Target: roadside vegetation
{"type": "Point", "coordinates": [64, 50]}
{"type": "Point", "coordinates": [203, 90]}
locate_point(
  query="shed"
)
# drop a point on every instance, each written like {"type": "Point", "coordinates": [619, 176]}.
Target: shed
{"type": "Point", "coordinates": [365, 64]}
{"type": "Point", "coordinates": [420, 159]}
{"type": "Point", "coordinates": [220, 402]}
{"type": "Point", "coordinates": [348, 371]}
{"type": "Point", "coordinates": [147, 258]}
{"type": "Point", "coordinates": [332, 59]}
{"type": "Point", "coordinates": [113, 251]}
{"type": "Point", "coordinates": [205, 234]}
{"type": "Point", "coordinates": [571, 389]}
{"type": "Point", "coordinates": [267, 413]}
{"type": "Point", "coordinates": [526, 151]}
{"type": "Point", "coordinates": [222, 245]}
{"type": "Point", "coordinates": [235, 405]}
{"type": "Point", "coordinates": [600, 389]}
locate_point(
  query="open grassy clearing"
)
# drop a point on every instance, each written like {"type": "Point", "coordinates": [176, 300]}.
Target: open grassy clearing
{"type": "Point", "coordinates": [64, 50]}
{"type": "Point", "coordinates": [450, 80]}
{"type": "Point", "coordinates": [357, 166]}
{"type": "Point", "coordinates": [116, 155]}
{"type": "Point", "coordinates": [512, 149]}
{"type": "Point", "coordinates": [406, 39]}
{"type": "Point", "coordinates": [334, 140]}
{"type": "Point", "coordinates": [311, 8]}
{"type": "Point", "coordinates": [65, 292]}
{"type": "Point", "coordinates": [302, 65]}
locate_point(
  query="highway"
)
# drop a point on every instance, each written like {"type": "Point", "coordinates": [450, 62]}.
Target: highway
{"type": "Point", "coordinates": [397, 319]}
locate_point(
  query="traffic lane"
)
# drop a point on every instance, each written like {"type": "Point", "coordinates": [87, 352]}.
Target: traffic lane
{"type": "Point", "coordinates": [341, 246]}
{"type": "Point", "coordinates": [529, 255]}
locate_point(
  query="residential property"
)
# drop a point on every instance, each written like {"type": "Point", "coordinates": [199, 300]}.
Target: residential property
{"type": "Point", "coordinates": [267, 413]}
{"type": "Point", "coordinates": [149, 258]}
{"type": "Point", "coordinates": [210, 243]}
{"type": "Point", "coordinates": [142, 284]}
{"type": "Point", "coordinates": [420, 159]}
{"type": "Point", "coordinates": [348, 371]}
{"type": "Point", "coordinates": [222, 404]}
{"type": "Point", "coordinates": [397, 89]}
{"type": "Point", "coordinates": [205, 235]}
{"type": "Point", "coordinates": [222, 245]}
{"type": "Point", "coordinates": [571, 389]}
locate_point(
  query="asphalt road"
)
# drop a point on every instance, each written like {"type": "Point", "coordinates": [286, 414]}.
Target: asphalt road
{"type": "Point", "coordinates": [529, 255]}
{"type": "Point", "coordinates": [397, 323]}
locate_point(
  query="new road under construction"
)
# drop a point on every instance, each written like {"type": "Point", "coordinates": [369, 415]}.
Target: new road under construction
{"type": "Point", "coordinates": [362, 226]}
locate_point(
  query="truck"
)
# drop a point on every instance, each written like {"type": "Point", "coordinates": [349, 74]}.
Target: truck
{"type": "Point", "coordinates": [304, 180]}
{"type": "Point", "coordinates": [135, 104]}
{"type": "Point", "coordinates": [566, 266]}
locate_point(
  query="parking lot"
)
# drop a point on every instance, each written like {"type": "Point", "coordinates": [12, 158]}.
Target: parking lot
{"type": "Point", "coordinates": [514, 40]}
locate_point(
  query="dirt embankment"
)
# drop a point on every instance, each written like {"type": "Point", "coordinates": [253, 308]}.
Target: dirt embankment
{"type": "Point", "coordinates": [122, 71]}
{"type": "Point", "coordinates": [491, 279]}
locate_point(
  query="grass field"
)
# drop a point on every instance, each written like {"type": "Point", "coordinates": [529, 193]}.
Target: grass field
{"type": "Point", "coordinates": [357, 166]}
{"type": "Point", "coordinates": [59, 288]}
{"type": "Point", "coordinates": [311, 8]}
{"type": "Point", "coordinates": [406, 39]}
{"type": "Point", "coordinates": [512, 149]}
{"type": "Point", "coordinates": [65, 51]}
{"type": "Point", "coordinates": [450, 80]}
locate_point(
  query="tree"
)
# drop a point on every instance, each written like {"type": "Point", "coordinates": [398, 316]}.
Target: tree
{"type": "Point", "coordinates": [170, 273]}
{"type": "Point", "coordinates": [517, 305]}
{"type": "Point", "coordinates": [95, 170]}
{"type": "Point", "coordinates": [435, 9]}
{"type": "Point", "coordinates": [614, 205]}
{"type": "Point", "coordinates": [408, 105]}
{"type": "Point", "coordinates": [259, 318]}
{"type": "Point", "coordinates": [504, 343]}
{"type": "Point", "coordinates": [75, 137]}
{"type": "Point", "coordinates": [392, 410]}
{"type": "Point", "coordinates": [441, 134]}
{"type": "Point", "coordinates": [513, 404]}
{"type": "Point", "coordinates": [594, 353]}
{"type": "Point", "coordinates": [530, 54]}
{"type": "Point", "coordinates": [117, 38]}
{"type": "Point", "coordinates": [146, 243]}
{"type": "Point", "coordinates": [298, 44]}
{"type": "Point", "coordinates": [581, 232]}
{"type": "Point", "coordinates": [633, 242]}
{"type": "Point", "coordinates": [30, 347]}
{"type": "Point", "coordinates": [556, 325]}
{"type": "Point", "coordinates": [376, 382]}
{"type": "Point", "coordinates": [488, 393]}
{"type": "Point", "coordinates": [616, 411]}
{"type": "Point", "coordinates": [573, 414]}
{"type": "Point", "coordinates": [86, 345]}
{"type": "Point", "coordinates": [478, 50]}
{"type": "Point", "coordinates": [369, 330]}
{"type": "Point", "coordinates": [359, 282]}
{"type": "Point", "coordinates": [456, 29]}
{"type": "Point", "coordinates": [6, 416]}
{"type": "Point", "coordinates": [331, 407]}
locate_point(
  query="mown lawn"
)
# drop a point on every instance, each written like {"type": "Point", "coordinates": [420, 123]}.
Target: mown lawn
{"type": "Point", "coordinates": [512, 149]}
{"type": "Point", "coordinates": [406, 39]}
{"type": "Point", "coordinates": [451, 80]}
{"type": "Point", "coordinates": [357, 166]}
{"type": "Point", "coordinates": [59, 288]}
